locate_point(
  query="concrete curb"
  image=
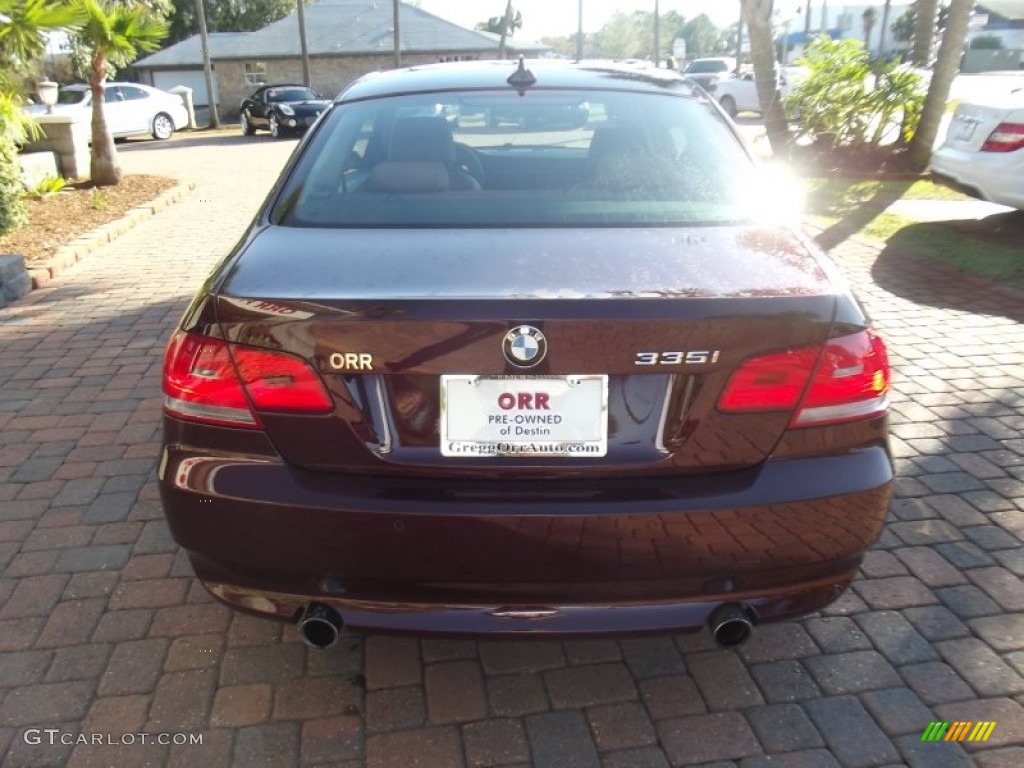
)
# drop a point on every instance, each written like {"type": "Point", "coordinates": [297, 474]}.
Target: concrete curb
{"type": "Point", "coordinates": [44, 270]}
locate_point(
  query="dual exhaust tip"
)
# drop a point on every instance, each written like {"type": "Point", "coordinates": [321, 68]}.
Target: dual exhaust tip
{"type": "Point", "coordinates": [730, 625]}
{"type": "Point", "coordinates": [320, 625]}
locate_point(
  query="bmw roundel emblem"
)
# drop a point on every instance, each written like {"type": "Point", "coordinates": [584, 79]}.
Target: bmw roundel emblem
{"type": "Point", "coordinates": [524, 346]}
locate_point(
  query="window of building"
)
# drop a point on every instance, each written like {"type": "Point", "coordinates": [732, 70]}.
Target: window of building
{"type": "Point", "coordinates": [255, 72]}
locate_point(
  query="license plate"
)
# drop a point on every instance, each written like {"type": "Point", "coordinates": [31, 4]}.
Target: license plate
{"type": "Point", "coordinates": [549, 416]}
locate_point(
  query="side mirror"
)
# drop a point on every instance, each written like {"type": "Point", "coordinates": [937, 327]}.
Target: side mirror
{"type": "Point", "coordinates": [749, 76]}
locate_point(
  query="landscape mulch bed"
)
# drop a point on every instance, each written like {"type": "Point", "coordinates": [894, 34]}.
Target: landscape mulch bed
{"type": "Point", "coordinates": [79, 208]}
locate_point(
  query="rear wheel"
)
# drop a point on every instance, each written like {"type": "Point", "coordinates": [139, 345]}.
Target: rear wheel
{"type": "Point", "coordinates": [163, 127]}
{"type": "Point", "coordinates": [247, 127]}
{"type": "Point", "coordinates": [729, 105]}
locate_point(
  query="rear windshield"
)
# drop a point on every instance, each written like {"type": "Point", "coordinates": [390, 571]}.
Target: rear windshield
{"type": "Point", "coordinates": [497, 159]}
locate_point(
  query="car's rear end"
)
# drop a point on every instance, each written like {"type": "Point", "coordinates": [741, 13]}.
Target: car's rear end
{"type": "Point", "coordinates": [983, 153]}
{"type": "Point", "coordinates": [546, 403]}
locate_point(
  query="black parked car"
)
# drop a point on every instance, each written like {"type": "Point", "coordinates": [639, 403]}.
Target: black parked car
{"type": "Point", "coordinates": [282, 109]}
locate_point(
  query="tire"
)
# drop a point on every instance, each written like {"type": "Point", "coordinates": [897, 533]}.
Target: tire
{"type": "Point", "coordinates": [729, 105]}
{"type": "Point", "coordinates": [248, 129]}
{"type": "Point", "coordinates": [275, 127]}
{"type": "Point", "coordinates": [163, 127]}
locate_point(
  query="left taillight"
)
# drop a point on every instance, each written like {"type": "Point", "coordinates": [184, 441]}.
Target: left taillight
{"type": "Point", "coordinates": [213, 382]}
{"type": "Point", "coordinates": [1007, 137]}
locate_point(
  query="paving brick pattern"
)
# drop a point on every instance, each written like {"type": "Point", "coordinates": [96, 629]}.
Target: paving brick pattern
{"type": "Point", "coordinates": [103, 629]}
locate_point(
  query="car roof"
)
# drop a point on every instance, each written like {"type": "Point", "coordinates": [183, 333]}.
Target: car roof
{"type": "Point", "coordinates": [549, 74]}
{"type": "Point", "coordinates": [85, 86]}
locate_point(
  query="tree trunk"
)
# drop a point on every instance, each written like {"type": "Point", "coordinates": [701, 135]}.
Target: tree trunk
{"type": "Point", "coordinates": [103, 167]}
{"type": "Point", "coordinates": [758, 14]}
{"type": "Point", "coordinates": [946, 68]}
{"type": "Point", "coordinates": [924, 31]}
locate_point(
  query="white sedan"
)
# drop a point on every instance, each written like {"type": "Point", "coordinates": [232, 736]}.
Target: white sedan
{"type": "Point", "coordinates": [131, 109]}
{"type": "Point", "coordinates": [983, 153]}
{"type": "Point", "coordinates": [739, 94]}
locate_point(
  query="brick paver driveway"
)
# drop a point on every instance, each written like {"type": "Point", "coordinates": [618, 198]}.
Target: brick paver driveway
{"type": "Point", "coordinates": [105, 633]}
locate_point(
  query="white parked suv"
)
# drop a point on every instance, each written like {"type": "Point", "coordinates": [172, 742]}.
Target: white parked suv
{"type": "Point", "coordinates": [983, 153]}
{"type": "Point", "coordinates": [739, 94]}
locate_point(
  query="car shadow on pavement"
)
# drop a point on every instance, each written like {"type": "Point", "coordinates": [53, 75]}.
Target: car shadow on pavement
{"type": "Point", "coordinates": [933, 283]}
{"type": "Point", "coordinates": [853, 221]}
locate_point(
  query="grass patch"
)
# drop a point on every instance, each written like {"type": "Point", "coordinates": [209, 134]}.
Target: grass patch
{"type": "Point", "coordinates": [952, 243]}
{"type": "Point", "coordinates": [839, 196]}
{"type": "Point", "coordinates": [942, 242]}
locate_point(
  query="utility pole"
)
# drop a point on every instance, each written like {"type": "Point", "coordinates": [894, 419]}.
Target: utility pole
{"type": "Point", "coordinates": [204, 40]}
{"type": "Point", "coordinates": [301, 13]}
{"type": "Point", "coordinates": [398, 37]}
{"type": "Point", "coordinates": [739, 43]}
{"type": "Point", "coordinates": [657, 35]}
{"type": "Point", "coordinates": [579, 34]}
{"type": "Point", "coordinates": [885, 27]}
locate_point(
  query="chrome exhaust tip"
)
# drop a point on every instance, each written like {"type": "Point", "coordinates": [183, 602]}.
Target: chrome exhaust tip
{"type": "Point", "coordinates": [320, 626]}
{"type": "Point", "coordinates": [730, 626]}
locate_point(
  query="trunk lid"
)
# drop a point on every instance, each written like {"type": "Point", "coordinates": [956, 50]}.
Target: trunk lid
{"type": "Point", "coordinates": [383, 327]}
{"type": "Point", "coordinates": [972, 124]}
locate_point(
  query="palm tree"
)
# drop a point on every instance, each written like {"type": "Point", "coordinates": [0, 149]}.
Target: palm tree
{"type": "Point", "coordinates": [115, 34]}
{"type": "Point", "coordinates": [757, 14]}
{"type": "Point", "coordinates": [924, 31]}
{"type": "Point", "coordinates": [22, 40]}
{"type": "Point", "coordinates": [868, 17]}
{"type": "Point", "coordinates": [22, 27]}
{"type": "Point", "coordinates": [946, 67]}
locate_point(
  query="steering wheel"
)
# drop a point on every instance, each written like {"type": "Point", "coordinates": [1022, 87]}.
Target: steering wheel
{"type": "Point", "coordinates": [468, 160]}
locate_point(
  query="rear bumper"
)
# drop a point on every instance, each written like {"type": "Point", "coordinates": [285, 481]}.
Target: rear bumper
{"type": "Point", "coordinates": [994, 176]}
{"type": "Point", "coordinates": [570, 557]}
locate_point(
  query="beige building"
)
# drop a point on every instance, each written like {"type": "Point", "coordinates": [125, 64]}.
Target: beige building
{"type": "Point", "coordinates": [345, 39]}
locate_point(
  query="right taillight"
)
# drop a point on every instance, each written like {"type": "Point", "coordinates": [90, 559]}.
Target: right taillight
{"type": "Point", "coordinates": [214, 382]}
{"type": "Point", "coordinates": [844, 380]}
{"type": "Point", "coordinates": [1007, 137]}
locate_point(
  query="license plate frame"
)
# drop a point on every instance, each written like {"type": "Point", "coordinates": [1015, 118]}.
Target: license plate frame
{"type": "Point", "coordinates": [568, 420]}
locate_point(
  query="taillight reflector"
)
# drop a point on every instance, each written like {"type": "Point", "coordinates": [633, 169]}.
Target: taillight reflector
{"type": "Point", "coordinates": [1007, 137]}
{"type": "Point", "coordinates": [280, 382]}
{"type": "Point", "coordinates": [772, 382]}
{"type": "Point", "coordinates": [211, 381]}
{"type": "Point", "coordinates": [845, 379]}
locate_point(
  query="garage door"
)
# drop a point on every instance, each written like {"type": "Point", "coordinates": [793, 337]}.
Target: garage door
{"type": "Point", "coordinates": [191, 78]}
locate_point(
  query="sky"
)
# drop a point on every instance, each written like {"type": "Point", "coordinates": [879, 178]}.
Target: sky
{"type": "Point", "coordinates": [543, 18]}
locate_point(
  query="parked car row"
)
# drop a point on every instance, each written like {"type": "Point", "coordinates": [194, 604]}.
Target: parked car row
{"type": "Point", "coordinates": [131, 109]}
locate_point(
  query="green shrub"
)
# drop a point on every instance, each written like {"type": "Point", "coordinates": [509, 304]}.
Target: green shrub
{"type": "Point", "coordinates": [98, 199]}
{"type": "Point", "coordinates": [51, 185]}
{"type": "Point", "coordinates": [846, 102]}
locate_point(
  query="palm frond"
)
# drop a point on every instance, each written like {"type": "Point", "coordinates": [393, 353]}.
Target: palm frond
{"type": "Point", "coordinates": [21, 31]}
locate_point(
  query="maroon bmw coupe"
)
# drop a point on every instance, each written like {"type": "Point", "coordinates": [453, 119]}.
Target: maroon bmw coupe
{"type": "Point", "coordinates": [471, 376]}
